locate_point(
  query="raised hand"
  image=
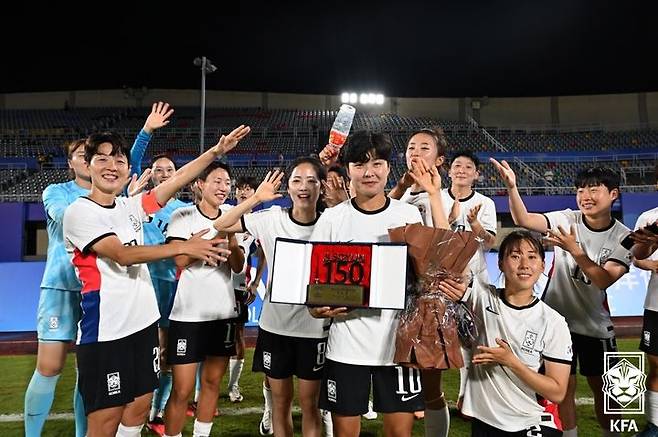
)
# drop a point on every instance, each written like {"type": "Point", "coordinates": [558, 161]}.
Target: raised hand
{"type": "Point", "coordinates": [506, 173]}
{"type": "Point", "coordinates": [427, 178]}
{"type": "Point", "coordinates": [563, 239]}
{"type": "Point", "coordinates": [210, 251]}
{"type": "Point", "coordinates": [455, 211]}
{"type": "Point", "coordinates": [335, 191]}
{"type": "Point", "coordinates": [228, 142]}
{"type": "Point", "coordinates": [159, 117]}
{"type": "Point", "coordinates": [268, 189]}
{"type": "Point", "coordinates": [473, 213]}
{"type": "Point", "coordinates": [136, 185]}
{"type": "Point", "coordinates": [329, 155]}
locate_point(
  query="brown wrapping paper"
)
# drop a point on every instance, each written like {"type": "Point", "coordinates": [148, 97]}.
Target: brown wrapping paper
{"type": "Point", "coordinates": [426, 337]}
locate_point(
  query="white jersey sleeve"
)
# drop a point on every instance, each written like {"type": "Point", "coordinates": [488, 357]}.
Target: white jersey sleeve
{"type": "Point", "coordinates": [256, 223]}
{"type": "Point", "coordinates": [564, 218]}
{"type": "Point", "coordinates": [83, 227]}
{"type": "Point", "coordinates": [179, 228]}
{"type": "Point", "coordinates": [558, 346]}
{"type": "Point", "coordinates": [322, 229]}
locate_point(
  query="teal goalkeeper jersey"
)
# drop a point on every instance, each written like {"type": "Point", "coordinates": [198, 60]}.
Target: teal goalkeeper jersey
{"type": "Point", "coordinates": [59, 272]}
{"type": "Point", "coordinates": [155, 232]}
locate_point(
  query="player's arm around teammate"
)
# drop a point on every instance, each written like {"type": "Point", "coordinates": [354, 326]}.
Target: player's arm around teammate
{"type": "Point", "coordinates": [602, 276]}
{"type": "Point", "coordinates": [103, 234]}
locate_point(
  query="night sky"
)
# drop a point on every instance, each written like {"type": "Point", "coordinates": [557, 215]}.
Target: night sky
{"type": "Point", "coordinates": [403, 48]}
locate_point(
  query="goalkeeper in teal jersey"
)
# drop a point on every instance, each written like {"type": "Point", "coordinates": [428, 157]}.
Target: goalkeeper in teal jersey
{"type": "Point", "coordinates": [59, 302]}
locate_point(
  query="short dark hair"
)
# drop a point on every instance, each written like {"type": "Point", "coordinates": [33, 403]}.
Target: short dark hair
{"type": "Point", "coordinates": [466, 154]}
{"type": "Point", "coordinates": [362, 146]}
{"type": "Point", "coordinates": [71, 146]}
{"type": "Point", "coordinates": [320, 171]}
{"type": "Point", "coordinates": [212, 167]}
{"type": "Point", "coordinates": [437, 134]}
{"type": "Point", "coordinates": [594, 176]}
{"type": "Point", "coordinates": [162, 156]}
{"type": "Point", "coordinates": [119, 146]}
{"type": "Point", "coordinates": [247, 181]}
{"type": "Point", "coordinates": [513, 240]}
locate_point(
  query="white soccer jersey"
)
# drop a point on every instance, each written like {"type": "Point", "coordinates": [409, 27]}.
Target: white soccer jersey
{"type": "Point", "coordinates": [247, 244]}
{"type": "Point", "coordinates": [535, 333]}
{"type": "Point", "coordinates": [363, 336]}
{"type": "Point", "coordinates": [204, 292]}
{"type": "Point", "coordinates": [486, 216]}
{"type": "Point", "coordinates": [569, 291]}
{"type": "Point", "coordinates": [116, 300]}
{"type": "Point", "coordinates": [283, 319]}
{"type": "Point", "coordinates": [651, 301]}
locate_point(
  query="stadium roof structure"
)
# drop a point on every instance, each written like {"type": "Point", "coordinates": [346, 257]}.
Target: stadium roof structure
{"type": "Point", "coordinates": [402, 48]}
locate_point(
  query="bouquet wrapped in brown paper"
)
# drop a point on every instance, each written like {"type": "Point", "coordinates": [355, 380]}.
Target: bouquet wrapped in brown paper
{"type": "Point", "coordinates": [427, 333]}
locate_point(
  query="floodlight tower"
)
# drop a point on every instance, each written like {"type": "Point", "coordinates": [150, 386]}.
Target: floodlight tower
{"type": "Point", "coordinates": [207, 67]}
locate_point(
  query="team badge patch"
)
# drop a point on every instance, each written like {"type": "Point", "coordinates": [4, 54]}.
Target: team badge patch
{"type": "Point", "coordinates": [529, 340]}
{"type": "Point", "coordinates": [181, 347]}
{"type": "Point", "coordinates": [113, 383]}
{"type": "Point", "coordinates": [137, 225]}
{"type": "Point", "coordinates": [53, 322]}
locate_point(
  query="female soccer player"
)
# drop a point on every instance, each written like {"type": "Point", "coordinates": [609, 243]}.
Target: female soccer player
{"type": "Point", "coordinates": [290, 341]}
{"type": "Point", "coordinates": [518, 333]}
{"type": "Point", "coordinates": [362, 342]}
{"type": "Point", "coordinates": [118, 354]}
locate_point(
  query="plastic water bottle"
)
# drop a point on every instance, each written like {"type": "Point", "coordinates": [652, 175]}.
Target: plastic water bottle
{"type": "Point", "coordinates": [342, 124]}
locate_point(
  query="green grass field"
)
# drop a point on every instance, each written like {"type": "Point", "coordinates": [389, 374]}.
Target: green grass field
{"type": "Point", "coordinates": [15, 373]}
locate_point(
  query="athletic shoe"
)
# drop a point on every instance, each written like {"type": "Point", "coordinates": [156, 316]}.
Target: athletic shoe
{"type": "Point", "coordinates": [371, 414]}
{"type": "Point", "coordinates": [265, 427]}
{"type": "Point", "coordinates": [157, 425]}
{"type": "Point", "coordinates": [234, 394]}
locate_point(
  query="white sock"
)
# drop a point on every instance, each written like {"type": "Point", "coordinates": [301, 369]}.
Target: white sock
{"type": "Point", "coordinates": [180, 434]}
{"type": "Point", "coordinates": [570, 432]}
{"type": "Point", "coordinates": [267, 394]}
{"type": "Point", "coordinates": [234, 371]}
{"type": "Point", "coordinates": [437, 422]}
{"type": "Point", "coordinates": [129, 431]}
{"type": "Point", "coordinates": [201, 429]}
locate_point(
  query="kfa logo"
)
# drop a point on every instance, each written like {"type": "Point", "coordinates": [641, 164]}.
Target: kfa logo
{"type": "Point", "coordinates": [181, 347]}
{"type": "Point", "coordinates": [53, 322]}
{"type": "Point", "coordinates": [113, 383]}
{"type": "Point", "coordinates": [137, 224]}
{"type": "Point", "coordinates": [267, 360]}
{"type": "Point", "coordinates": [529, 340]}
{"type": "Point", "coordinates": [624, 387]}
{"type": "Point", "coordinates": [604, 255]}
{"type": "Point", "coordinates": [331, 390]}
{"type": "Point", "coordinates": [646, 338]}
